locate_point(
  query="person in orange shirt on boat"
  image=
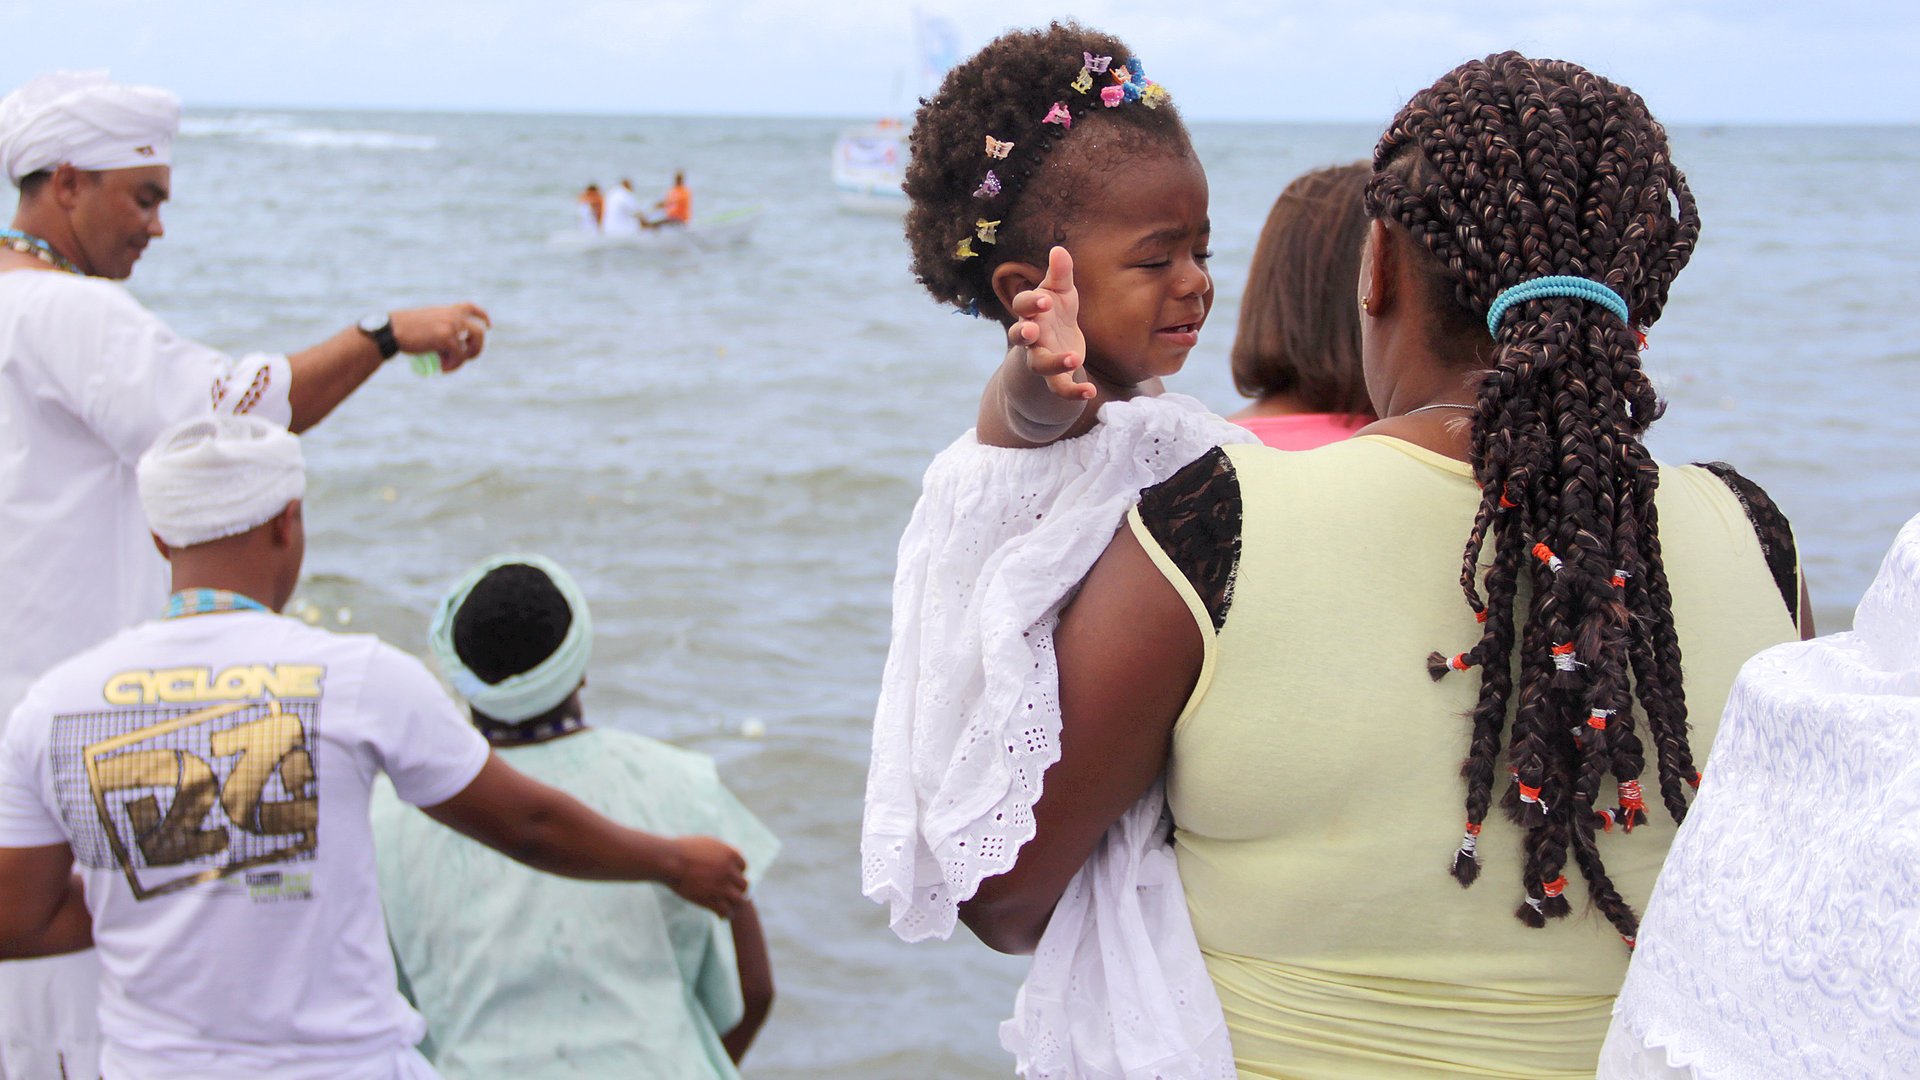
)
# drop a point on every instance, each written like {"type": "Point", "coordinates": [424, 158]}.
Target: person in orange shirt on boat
{"type": "Point", "coordinates": [678, 204]}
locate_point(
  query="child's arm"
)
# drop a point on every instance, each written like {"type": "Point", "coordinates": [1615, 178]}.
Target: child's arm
{"type": "Point", "coordinates": [756, 979]}
{"type": "Point", "coordinates": [1037, 398]}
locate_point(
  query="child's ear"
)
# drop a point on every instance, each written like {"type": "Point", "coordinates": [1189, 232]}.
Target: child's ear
{"type": "Point", "coordinates": [1010, 279]}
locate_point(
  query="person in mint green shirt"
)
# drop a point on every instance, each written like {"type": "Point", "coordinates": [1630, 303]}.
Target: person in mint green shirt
{"type": "Point", "coordinates": [528, 975]}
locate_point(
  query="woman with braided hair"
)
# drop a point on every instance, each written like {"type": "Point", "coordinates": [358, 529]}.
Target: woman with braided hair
{"type": "Point", "coordinates": [1300, 643]}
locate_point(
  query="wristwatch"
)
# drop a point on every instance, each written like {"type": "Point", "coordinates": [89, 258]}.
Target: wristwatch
{"type": "Point", "coordinates": [379, 327]}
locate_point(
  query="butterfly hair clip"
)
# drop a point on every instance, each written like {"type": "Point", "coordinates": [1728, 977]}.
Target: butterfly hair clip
{"type": "Point", "coordinates": [997, 149]}
{"type": "Point", "coordinates": [1059, 114]}
{"type": "Point", "coordinates": [988, 231]}
{"type": "Point", "coordinates": [964, 250]}
{"type": "Point", "coordinates": [988, 188]}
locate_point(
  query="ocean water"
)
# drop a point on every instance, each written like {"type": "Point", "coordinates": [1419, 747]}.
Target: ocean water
{"type": "Point", "coordinates": [724, 446]}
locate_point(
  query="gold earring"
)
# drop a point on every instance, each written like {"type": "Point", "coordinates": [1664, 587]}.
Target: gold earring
{"type": "Point", "coordinates": [1366, 304]}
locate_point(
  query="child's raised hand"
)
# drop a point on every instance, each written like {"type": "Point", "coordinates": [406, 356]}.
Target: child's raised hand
{"type": "Point", "coordinates": [1049, 329]}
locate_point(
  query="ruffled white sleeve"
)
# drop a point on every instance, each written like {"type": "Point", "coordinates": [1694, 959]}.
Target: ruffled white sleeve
{"type": "Point", "coordinates": [969, 721]}
{"type": "Point", "coordinates": [1783, 935]}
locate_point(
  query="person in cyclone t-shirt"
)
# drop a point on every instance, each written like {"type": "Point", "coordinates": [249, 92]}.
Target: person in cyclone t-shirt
{"type": "Point", "coordinates": [210, 771]}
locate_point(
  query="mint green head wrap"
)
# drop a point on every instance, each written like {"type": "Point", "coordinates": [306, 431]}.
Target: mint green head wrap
{"type": "Point", "coordinates": [537, 690]}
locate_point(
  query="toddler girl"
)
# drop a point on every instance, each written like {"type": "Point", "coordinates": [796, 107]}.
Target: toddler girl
{"type": "Point", "coordinates": [1045, 142]}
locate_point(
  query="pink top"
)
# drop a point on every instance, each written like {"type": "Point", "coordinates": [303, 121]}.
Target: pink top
{"type": "Point", "coordinates": [1303, 431]}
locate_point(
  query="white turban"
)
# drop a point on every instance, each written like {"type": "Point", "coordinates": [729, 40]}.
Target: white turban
{"type": "Point", "coordinates": [219, 476]}
{"type": "Point", "coordinates": [84, 119]}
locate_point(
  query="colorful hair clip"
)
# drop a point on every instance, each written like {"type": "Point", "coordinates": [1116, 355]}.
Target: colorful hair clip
{"type": "Point", "coordinates": [1112, 96]}
{"type": "Point", "coordinates": [1154, 96]}
{"type": "Point", "coordinates": [1096, 64]}
{"type": "Point", "coordinates": [988, 188]}
{"type": "Point", "coordinates": [1082, 82]}
{"type": "Point", "coordinates": [972, 308]}
{"type": "Point", "coordinates": [998, 149]}
{"type": "Point", "coordinates": [1059, 114]}
{"type": "Point", "coordinates": [988, 231]}
{"type": "Point", "coordinates": [1133, 82]}
{"type": "Point", "coordinates": [964, 250]}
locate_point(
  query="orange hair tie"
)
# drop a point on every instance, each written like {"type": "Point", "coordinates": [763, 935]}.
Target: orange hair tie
{"type": "Point", "coordinates": [1545, 554]}
{"type": "Point", "coordinates": [1529, 793]}
{"type": "Point", "coordinates": [1695, 781]}
{"type": "Point", "coordinates": [1563, 657]}
{"type": "Point", "coordinates": [1480, 616]}
{"type": "Point", "coordinates": [1506, 503]}
{"type": "Point", "coordinates": [1619, 579]}
{"type": "Point", "coordinates": [1459, 662]}
{"type": "Point", "coordinates": [1598, 721]}
{"type": "Point", "coordinates": [1555, 887]}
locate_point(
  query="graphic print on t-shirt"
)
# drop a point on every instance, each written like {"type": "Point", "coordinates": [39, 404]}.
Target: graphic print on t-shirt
{"type": "Point", "coordinates": [191, 776]}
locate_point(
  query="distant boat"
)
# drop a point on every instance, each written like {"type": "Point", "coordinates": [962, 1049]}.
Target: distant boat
{"type": "Point", "coordinates": [869, 162]}
{"type": "Point", "coordinates": [727, 229]}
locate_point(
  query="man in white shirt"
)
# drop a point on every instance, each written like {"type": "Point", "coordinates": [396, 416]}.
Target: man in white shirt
{"type": "Point", "coordinates": [623, 211]}
{"type": "Point", "coordinates": [88, 378]}
{"type": "Point", "coordinates": [210, 772]}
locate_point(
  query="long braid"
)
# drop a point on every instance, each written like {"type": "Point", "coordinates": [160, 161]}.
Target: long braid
{"type": "Point", "coordinates": [1504, 171]}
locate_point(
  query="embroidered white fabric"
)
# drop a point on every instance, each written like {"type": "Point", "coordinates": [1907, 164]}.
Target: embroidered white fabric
{"type": "Point", "coordinates": [969, 721]}
{"type": "Point", "coordinates": [1783, 936]}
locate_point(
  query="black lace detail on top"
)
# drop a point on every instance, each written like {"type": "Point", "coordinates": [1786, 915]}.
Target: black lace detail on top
{"type": "Point", "coordinates": [1195, 517]}
{"type": "Point", "coordinates": [1770, 527]}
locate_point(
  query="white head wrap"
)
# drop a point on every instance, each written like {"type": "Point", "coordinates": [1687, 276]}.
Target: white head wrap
{"type": "Point", "coordinates": [84, 119]}
{"type": "Point", "coordinates": [219, 476]}
{"type": "Point", "coordinates": [539, 689]}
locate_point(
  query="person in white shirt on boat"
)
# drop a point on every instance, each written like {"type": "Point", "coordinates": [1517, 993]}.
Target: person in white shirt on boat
{"type": "Point", "coordinates": [210, 773]}
{"type": "Point", "coordinates": [88, 378]}
{"type": "Point", "coordinates": [623, 211]}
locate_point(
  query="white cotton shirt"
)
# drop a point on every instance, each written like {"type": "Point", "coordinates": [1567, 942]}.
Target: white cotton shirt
{"type": "Point", "coordinates": [212, 775]}
{"type": "Point", "coordinates": [622, 212]}
{"type": "Point", "coordinates": [88, 379]}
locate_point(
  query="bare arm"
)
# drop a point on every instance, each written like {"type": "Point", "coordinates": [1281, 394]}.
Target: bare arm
{"type": "Point", "coordinates": [1035, 397]}
{"type": "Point", "coordinates": [324, 375]}
{"type": "Point", "coordinates": [549, 830]}
{"type": "Point", "coordinates": [43, 905]}
{"type": "Point", "coordinates": [1129, 656]}
{"type": "Point", "coordinates": [756, 980]}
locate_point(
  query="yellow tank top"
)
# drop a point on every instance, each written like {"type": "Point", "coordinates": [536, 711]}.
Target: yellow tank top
{"type": "Point", "coordinates": [1315, 784]}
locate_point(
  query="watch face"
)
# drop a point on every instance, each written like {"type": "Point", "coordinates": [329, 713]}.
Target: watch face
{"type": "Point", "coordinates": [373, 324]}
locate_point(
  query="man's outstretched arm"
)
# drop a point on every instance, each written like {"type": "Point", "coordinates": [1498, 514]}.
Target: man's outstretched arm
{"type": "Point", "coordinates": [549, 830]}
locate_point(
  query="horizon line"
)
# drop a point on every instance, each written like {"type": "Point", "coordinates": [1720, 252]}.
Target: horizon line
{"type": "Point", "coordinates": [602, 113]}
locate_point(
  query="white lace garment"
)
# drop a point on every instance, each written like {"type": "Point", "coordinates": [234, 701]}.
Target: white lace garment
{"type": "Point", "coordinates": [969, 721]}
{"type": "Point", "coordinates": [1783, 937]}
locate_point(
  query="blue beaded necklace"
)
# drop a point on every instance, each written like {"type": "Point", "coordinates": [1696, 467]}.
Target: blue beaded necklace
{"type": "Point", "coordinates": [29, 244]}
{"type": "Point", "coordinates": [207, 601]}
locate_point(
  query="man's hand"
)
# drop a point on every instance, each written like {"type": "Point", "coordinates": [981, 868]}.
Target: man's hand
{"type": "Point", "coordinates": [1049, 330]}
{"type": "Point", "coordinates": [711, 874]}
{"type": "Point", "coordinates": [457, 332]}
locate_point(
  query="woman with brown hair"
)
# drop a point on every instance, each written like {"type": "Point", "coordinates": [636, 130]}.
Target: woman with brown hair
{"type": "Point", "coordinates": [1297, 351]}
{"type": "Point", "coordinates": [1307, 645]}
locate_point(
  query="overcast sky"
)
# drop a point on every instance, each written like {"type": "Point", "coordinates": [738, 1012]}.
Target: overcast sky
{"type": "Point", "coordinates": [1693, 60]}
